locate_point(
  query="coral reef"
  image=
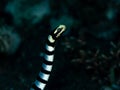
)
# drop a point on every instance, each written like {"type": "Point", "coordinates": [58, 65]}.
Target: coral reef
{"type": "Point", "coordinates": [102, 66]}
{"type": "Point", "coordinates": [9, 40]}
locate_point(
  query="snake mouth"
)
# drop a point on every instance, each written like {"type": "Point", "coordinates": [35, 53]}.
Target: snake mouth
{"type": "Point", "coordinates": [59, 30]}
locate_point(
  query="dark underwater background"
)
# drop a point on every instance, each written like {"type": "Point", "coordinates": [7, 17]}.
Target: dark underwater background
{"type": "Point", "coordinates": [87, 56]}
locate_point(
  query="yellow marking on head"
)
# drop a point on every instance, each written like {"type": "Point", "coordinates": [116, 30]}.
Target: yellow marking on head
{"type": "Point", "coordinates": [60, 30]}
{"type": "Point", "coordinates": [50, 38]}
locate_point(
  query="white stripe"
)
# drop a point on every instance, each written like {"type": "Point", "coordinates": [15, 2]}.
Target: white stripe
{"type": "Point", "coordinates": [49, 57]}
{"type": "Point", "coordinates": [49, 48]}
{"type": "Point", "coordinates": [40, 85]}
{"type": "Point", "coordinates": [44, 76]}
{"type": "Point", "coordinates": [50, 38]}
{"type": "Point", "coordinates": [47, 67]}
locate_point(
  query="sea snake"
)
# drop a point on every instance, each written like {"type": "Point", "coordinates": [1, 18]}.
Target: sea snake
{"type": "Point", "coordinates": [47, 64]}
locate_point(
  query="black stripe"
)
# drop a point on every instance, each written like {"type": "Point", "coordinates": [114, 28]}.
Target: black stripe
{"type": "Point", "coordinates": [48, 52]}
{"type": "Point", "coordinates": [45, 71]}
{"type": "Point", "coordinates": [50, 44]}
{"type": "Point", "coordinates": [46, 61]}
{"type": "Point", "coordinates": [35, 87]}
{"type": "Point", "coordinates": [41, 80]}
{"type": "Point", "coordinates": [53, 36]}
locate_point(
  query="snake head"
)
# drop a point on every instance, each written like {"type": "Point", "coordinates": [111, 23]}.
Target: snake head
{"type": "Point", "coordinates": [60, 29]}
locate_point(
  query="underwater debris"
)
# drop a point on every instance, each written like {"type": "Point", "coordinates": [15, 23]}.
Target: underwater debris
{"type": "Point", "coordinates": [9, 40]}
{"type": "Point", "coordinates": [101, 67]}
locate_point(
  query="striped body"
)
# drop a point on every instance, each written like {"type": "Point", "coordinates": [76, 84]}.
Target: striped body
{"type": "Point", "coordinates": [48, 58]}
